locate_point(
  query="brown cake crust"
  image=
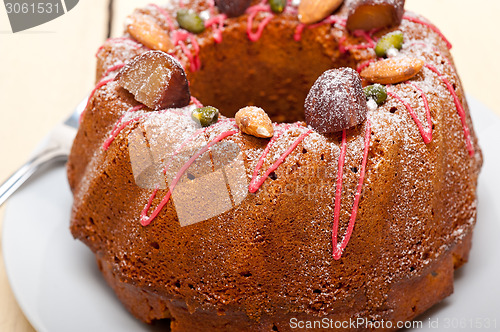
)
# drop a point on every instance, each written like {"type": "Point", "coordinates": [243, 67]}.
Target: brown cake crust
{"type": "Point", "coordinates": [269, 259]}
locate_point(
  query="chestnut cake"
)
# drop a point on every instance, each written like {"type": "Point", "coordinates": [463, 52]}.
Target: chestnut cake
{"type": "Point", "coordinates": [243, 165]}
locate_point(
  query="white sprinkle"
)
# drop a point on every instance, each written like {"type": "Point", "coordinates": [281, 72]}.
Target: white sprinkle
{"type": "Point", "coordinates": [205, 15]}
{"type": "Point", "coordinates": [392, 52]}
{"type": "Point", "coordinates": [372, 104]}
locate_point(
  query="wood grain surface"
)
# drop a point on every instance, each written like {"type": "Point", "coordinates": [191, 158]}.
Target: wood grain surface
{"type": "Point", "coordinates": [47, 70]}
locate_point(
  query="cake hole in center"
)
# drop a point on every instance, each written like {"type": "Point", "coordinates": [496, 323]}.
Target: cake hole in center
{"type": "Point", "coordinates": [274, 73]}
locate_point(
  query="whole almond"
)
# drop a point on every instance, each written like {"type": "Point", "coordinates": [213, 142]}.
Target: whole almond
{"type": "Point", "coordinates": [311, 11]}
{"type": "Point", "coordinates": [254, 121]}
{"type": "Point", "coordinates": [145, 30]}
{"type": "Point", "coordinates": [392, 70]}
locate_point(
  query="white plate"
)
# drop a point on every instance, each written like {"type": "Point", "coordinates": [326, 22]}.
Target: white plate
{"type": "Point", "coordinates": [58, 286]}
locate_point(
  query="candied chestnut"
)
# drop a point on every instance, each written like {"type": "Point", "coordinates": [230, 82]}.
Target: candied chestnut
{"type": "Point", "coordinates": [336, 101]}
{"type": "Point", "coordinates": [157, 80]}
{"type": "Point", "coordinates": [374, 14]}
{"type": "Point", "coordinates": [232, 8]}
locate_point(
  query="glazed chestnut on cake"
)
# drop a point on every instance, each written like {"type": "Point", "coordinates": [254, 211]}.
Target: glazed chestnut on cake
{"type": "Point", "coordinates": [232, 8]}
{"type": "Point", "coordinates": [157, 80]}
{"type": "Point", "coordinates": [239, 167]}
{"type": "Point", "coordinates": [336, 101]}
{"type": "Point", "coordinates": [374, 14]}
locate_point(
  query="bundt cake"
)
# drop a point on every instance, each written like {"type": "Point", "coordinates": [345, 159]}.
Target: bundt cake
{"type": "Point", "coordinates": [269, 165]}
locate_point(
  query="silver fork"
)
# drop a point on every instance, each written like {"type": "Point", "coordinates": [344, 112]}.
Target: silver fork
{"type": "Point", "coordinates": [56, 148]}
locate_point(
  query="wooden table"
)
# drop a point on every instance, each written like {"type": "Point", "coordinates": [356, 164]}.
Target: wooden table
{"type": "Point", "coordinates": [47, 70]}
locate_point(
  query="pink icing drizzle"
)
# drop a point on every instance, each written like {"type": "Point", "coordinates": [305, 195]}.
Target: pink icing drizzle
{"type": "Point", "coordinates": [430, 26]}
{"type": "Point", "coordinates": [297, 36]}
{"type": "Point", "coordinates": [190, 138]}
{"type": "Point", "coordinates": [332, 19]}
{"type": "Point", "coordinates": [92, 93]}
{"type": "Point", "coordinates": [450, 88]}
{"type": "Point", "coordinates": [339, 248]}
{"type": "Point", "coordinates": [253, 11]}
{"type": "Point", "coordinates": [194, 60]}
{"type": "Point", "coordinates": [459, 106]}
{"type": "Point", "coordinates": [256, 182]}
{"type": "Point", "coordinates": [425, 132]}
{"type": "Point", "coordinates": [368, 36]}
{"type": "Point", "coordinates": [113, 68]}
{"type": "Point", "coordinates": [120, 39]}
{"type": "Point", "coordinates": [196, 102]}
{"type": "Point", "coordinates": [179, 36]}
{"type": "Point", "coordinates": [118, 128]}
{"type": "Point", "coordinates": [217, 23]}
{"type": "Point", "coordinates": [170, 24]}
{"type": "Point", "coordinates": [364, 64]}
{"type": "Point", "coordinates": [145, 220]}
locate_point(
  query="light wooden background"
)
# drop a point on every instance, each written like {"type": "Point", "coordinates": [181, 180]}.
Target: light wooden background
{"type": "Point", "coordinates": [45, 71]}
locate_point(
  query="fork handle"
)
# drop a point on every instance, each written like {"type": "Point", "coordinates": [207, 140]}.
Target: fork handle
{"type": "Point", "coordinates": [51, 154]}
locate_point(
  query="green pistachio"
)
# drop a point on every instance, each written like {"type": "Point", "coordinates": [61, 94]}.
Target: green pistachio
{"type": "Point", "coordinates": [277, 6]}
{"type": "Point", "coordinates": [205, 116]}
{"type": "Point", "coordinates": [377, 92]}
{"type": "Point", "coordinates": [391, 40]}
{"type": "Point", "coordinates": [189, 20]}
